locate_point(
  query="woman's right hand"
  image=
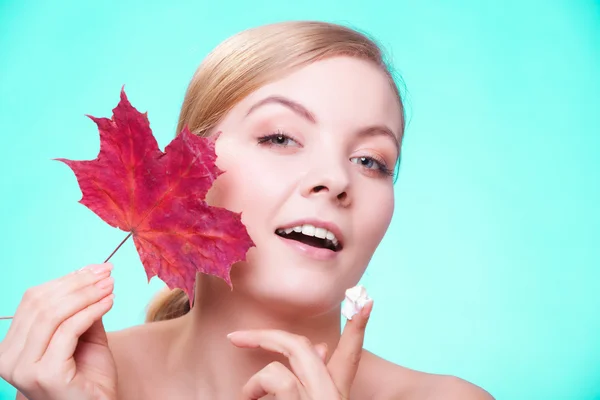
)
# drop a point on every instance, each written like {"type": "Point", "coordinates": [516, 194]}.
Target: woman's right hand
{"type": "Point", "coordinates": [56, 347]}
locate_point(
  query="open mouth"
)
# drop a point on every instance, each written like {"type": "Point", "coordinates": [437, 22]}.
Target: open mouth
{"type": "Point", "coordinates": [312, 236]}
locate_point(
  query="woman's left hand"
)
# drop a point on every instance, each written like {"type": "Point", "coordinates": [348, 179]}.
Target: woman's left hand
{"type": "Point", "coordinates": [310, 377]}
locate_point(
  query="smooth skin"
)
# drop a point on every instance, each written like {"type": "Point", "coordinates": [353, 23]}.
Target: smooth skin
{"type": "Point", "coordinates": [90, 372]}
{"type": "Point", "coordinates": [277, 334]}
{"type": "Point", "coordinates": [311, 375]}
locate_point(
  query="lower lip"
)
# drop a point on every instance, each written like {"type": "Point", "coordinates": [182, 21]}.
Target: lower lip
{"type": "Point", "coordinates": [316, 253]}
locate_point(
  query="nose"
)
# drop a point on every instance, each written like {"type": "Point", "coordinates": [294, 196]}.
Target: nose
{"type": "Point", "coordinates": [330, 180]}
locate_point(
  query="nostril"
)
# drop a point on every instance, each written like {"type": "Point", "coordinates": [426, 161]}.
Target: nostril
{"type": "Point", "coordinates": [342, 196]}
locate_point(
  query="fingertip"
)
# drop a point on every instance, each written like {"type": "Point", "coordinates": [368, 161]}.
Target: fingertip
{"type": "Point", "coordinates": [83, 269]}
{"type": "Point", "coordinates": [233, 334]}
{"type": "Point", "coordinates": [108, 299]}
{"type": "Point", "coordinates": [360, 319]}
{"type": "Point", "coordinates": [236, 338]}
{"type": "Point", "coordinates": [366, 310]}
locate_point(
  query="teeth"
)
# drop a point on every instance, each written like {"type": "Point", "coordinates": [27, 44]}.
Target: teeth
{"type": "Point", "coordinates": [308, 230]}
{"type": "Point", "coordinates": [311, 230]}
{"type": "Point", "coordinates": [320, 233]}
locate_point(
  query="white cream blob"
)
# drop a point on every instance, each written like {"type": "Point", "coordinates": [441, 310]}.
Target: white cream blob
{"type": "Point", "coordinates": [356, 298]}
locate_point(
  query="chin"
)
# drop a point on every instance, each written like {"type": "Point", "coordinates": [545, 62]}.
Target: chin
{"type": "Point", "coordinates": [287, 279]}
{"type": "Point", "coordinates": [290, 292]}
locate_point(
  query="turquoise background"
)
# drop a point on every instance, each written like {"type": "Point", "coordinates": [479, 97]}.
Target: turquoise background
{"type": "Point", "coordinates": [490, 270]}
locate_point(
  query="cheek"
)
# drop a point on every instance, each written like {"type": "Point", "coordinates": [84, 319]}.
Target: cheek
{"type": "Point", "coordinates": [375, 220]}
{"type": "Point", "coordinates": [228, 191]}
{"type": "Point", "coordinates": [247, 186]}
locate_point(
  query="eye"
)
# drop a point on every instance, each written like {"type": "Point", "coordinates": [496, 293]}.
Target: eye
{"type": "Point", "coordinates": [278, 139]}
{"type": "Point", "coordinates": [373, 164]}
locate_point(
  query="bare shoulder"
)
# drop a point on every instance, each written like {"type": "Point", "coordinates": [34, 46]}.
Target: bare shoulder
{"type": "Point", "coordinates": [130, 342]}
{"type": "Point", "coordinates": [454, 388]}
{"type": "Point", "coordinates": [141, 342]}
{"type": "Point", "coordinates": [138, 351]}
{"type": "Point", "coordinates": [389, 381]}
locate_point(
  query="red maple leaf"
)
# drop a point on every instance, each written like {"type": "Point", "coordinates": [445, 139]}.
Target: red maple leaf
{"type": "Point", "coordinates": [159, 198]}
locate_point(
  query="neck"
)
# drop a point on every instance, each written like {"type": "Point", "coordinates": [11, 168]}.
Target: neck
{"type": "Point", "coordinates": [214, 367]}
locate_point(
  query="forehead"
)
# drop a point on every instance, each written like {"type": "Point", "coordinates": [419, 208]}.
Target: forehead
{"type": "Point", "coordinates": [340, 91]}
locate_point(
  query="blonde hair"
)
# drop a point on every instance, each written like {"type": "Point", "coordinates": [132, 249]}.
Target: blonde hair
{"type": "Point", "coordinates": [244, 63]}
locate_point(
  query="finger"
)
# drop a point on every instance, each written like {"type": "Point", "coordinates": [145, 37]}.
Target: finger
{"type": "Point", "coordinates": [64, 341]}
{"type": "Point", "coordinates": [274, 379]}
{"type": "Point", "coordinates": [345, 359]}
{"type": "Point", "coordinates": [38, 302]}
{"type": "Point", "coordinates": [303, 358]}
{"type": "Point", "coordinates": [31, 300]}
{"type": "Point", "coordinates": [37, 295]}
{"type": "Point", "coordinates": [61, 307]}
{"type": "Point", "coordinates": [322, 350]}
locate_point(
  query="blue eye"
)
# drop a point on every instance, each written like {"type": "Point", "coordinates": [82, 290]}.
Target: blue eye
{"type": "Point", "coordinates": [278, 139]}
{"type": "Point", "coordinates": [367, 162]}
{"type": "Point", "coordinates": [371, 163]}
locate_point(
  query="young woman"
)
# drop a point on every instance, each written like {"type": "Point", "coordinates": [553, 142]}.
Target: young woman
{"type": "Point", "coordinates": [311, 124]}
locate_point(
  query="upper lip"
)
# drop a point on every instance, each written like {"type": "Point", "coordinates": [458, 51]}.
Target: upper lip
{"type": "Point", "coordinates": [330, 226]}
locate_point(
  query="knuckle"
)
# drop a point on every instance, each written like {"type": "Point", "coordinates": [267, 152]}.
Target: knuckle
{"type": "Point", "coordinates": [66, 328]}
{"type": "Point", "coordinates": [304, 341]}
{"type": "Point", "coordinates": [23, 377]}
{"type": "Point", "coordinates": [90, 295]}
{"type": "Point", "coordinates": [93, 293]}
{"type": "Point", "coordinates": [72, 327]}
{"type": "Point", "coordinates": [87, 296]}
{"type": "Point", "coordinates": [48, 377]}
{"type": "Point", "coordinates": [37, 302]}
{"type": "Point", "coordinates": [48, 315]}
{"type": "Point", "coordinates": [273, 368]}
{"type": "Point", "coordinates": [287, 383]}
{"type": "Point", "coordinates": [30, 296]}
{"type": "Point", "coordinates": [354, 357]}
{"type": "Point", "coordinates": [277, 372]}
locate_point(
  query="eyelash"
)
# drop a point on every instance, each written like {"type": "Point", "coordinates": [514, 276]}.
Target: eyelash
{"type": "Point", "coordinates": [381, 169]}
{"type": "Point", "coordinates": [275, 135]}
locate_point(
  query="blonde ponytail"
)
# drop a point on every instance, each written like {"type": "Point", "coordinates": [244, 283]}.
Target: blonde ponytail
{"type": "Point", "coordinates": [168, 304]}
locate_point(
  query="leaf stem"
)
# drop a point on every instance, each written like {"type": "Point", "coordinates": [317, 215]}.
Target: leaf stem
{"type": "Point", "coordinates": [109, 257]}
{"type": "Point", "coordinates": [120, 244]}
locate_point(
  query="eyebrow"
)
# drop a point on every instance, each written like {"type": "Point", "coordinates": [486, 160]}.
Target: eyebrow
{"type": "Point", "coordinates": [302, 111]}
{"type": "Point", "coordinates": [381, 130]}
{"type": "Point", "coordinates": [284, 101]}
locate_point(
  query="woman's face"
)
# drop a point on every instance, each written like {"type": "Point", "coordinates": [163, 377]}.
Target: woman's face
{"type": "Point", "coordinates": [312, 151]}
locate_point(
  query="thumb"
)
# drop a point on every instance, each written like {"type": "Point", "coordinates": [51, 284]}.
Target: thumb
{"type": "Point", "coordinates": [95, 334]}
{"type": "Point", "coordinates": [322, 351]}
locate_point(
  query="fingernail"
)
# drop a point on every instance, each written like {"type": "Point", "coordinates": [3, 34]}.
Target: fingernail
{"type": "Point", "coordinates": [366, 310]}
{"type": "Point", "coordinates": [101, 268]}
{"type": "Point", "coordinates": [229, 335]}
